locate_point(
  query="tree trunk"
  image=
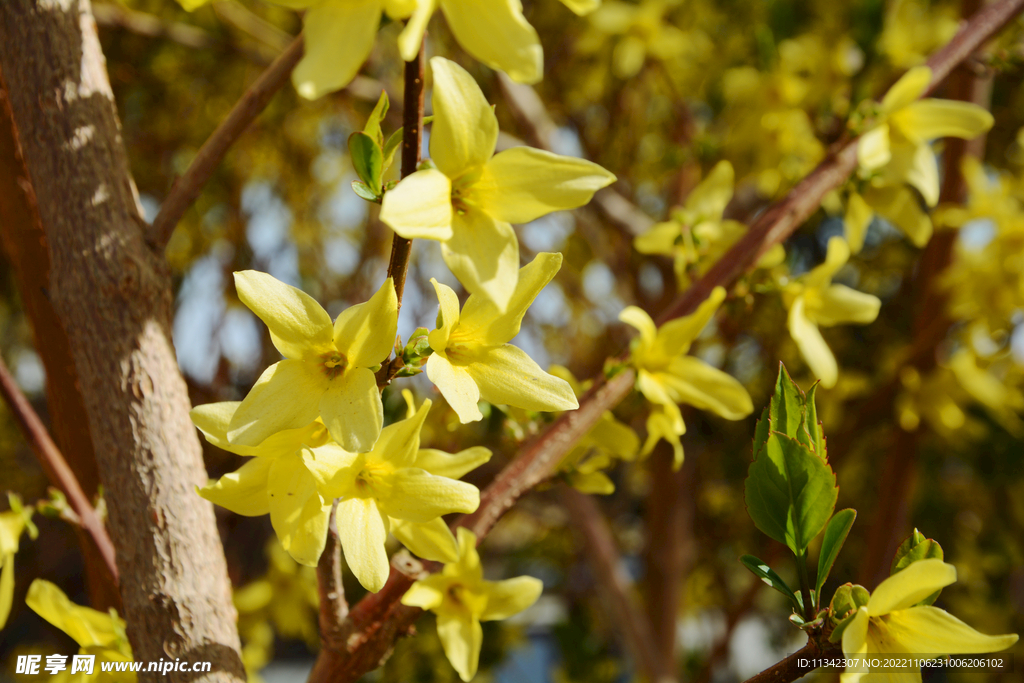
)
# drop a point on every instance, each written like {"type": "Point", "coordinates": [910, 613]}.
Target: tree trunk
{"type": "Point", "coordinates": [114, 295]}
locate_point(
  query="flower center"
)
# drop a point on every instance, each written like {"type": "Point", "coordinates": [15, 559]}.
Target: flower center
{"type": "Point", "coordinates": [371, 480]}
{"type": "Point", "coordinates": [333, 363]}
{"type": "Point", "coordinates": [455, 594]}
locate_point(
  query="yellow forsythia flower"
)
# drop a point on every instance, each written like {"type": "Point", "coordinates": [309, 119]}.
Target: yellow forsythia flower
{"type": "Point", "coordinates": [893, 623]}
{"type": "Point", "coordinates": [461, 599]}
{"type": "Point", "coordinates": [472, 359]}
{"type": "Point", "coordinates": [326, 368]}
{"type": "Point", "coordinates": [897, 151]}
{"type": "Point", "coordinates": [12, 524]}
{"type": "Point", "coordinates": [98, 634]}
{"type": "Point", "coordinates": [276, 481]}
{"type": "Point", "coordinates": [666, 376]}
{"type": "Point", "coordinates": [813, 300]}
{"type": "Point", "coordinates": [386, 483]}
{"type": "Point", "coordinates": [470, 199]}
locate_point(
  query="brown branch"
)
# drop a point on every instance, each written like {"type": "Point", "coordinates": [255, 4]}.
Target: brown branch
{"type": "Point", "coordinates": [615, 587]}
{"type": "Point", "coordinates": [333, 606]}
{"type": "Point", "coordinates": [186, 189]}
{"type": "Point", "coordinates": [412, 141]}
{"type": "Point", "coordinates": [790, 669]}
{"type": "Point", "coordinates": [55, 467]}
{"type": "Point", "coordinates": [537, 460]}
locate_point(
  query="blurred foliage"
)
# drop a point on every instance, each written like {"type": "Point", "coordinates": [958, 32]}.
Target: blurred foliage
{"type": "Point", "coordinates": [659, 92]}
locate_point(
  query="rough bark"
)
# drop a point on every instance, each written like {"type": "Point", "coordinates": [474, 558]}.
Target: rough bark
{"type": "Point", "coordinates": [114, 294]}
{"type": "Point", "coordinates": [23, 240]}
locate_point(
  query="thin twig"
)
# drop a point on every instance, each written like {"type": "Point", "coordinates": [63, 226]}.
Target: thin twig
{"type": "Point", "coordinates": [537, 460]}
{"type": "Point", "coordinates": [412, 141]}
{"type": "Point", "coordinates": [605, 561]}
{"type": "Point", "coordinates": [187, 188]}
{"type": "Point", "coordinates": [56, 468]}
{"type": "Point", "coordinates": [791, 668]}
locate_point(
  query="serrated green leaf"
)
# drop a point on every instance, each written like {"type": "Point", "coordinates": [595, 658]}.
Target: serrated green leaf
{"type": "Point", "coordinates": [372, 127]}
{"type": "Point", "coordinates": [790, 492]}
{"type": "Point", "coordinates": [813, 426]}
{"type": "Point", "coordinates": [787, 408]}
{"type": "Point", "coordinates": [835, 536]}
{"type": "Point", "coordinates": [761, 431]}
{"type": "Point", "coordinates": [367, 160]}
{"type": "Point", "coordinates": [761, 570]}
{"type": "Point", "coordinates": [363, 191]}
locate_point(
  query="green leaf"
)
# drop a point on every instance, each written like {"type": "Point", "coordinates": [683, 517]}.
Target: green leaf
{"type": "Point", "coordinates": [813, 426]}
{"type": "Point", "coordinates": [395, 141]}
{"type": "Point", "coordinates": [914, 549]}
{"type": "Point", "coordinates": [790, 492]}
{"type": "Point", "coordinates": [761, 431]}
{"type": "Point", "coordinates": [367, 160]}
{"type": "Point", "coordinates": [372, 127]}
{"type": "Point", "coordinates": [761, 570]}
{"type": "Point", "coordinates": [835, 536]}
{"type": "Point", "coordinates": [363, 191]}
{"type": "Point", "coordinates": [787, 408]}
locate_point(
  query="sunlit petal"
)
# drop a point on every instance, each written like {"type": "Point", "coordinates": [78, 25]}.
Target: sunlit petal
{"type": "Point", "coordinates": [857, 219]}
{"type": "Point", "coordinates": [461, 637]}
{"type": "Point", "coordinates": [243, 491]}
{"type": "Point", "coordinates": [286, 396]}
{"type": "Point", "coordinates": [484, 254]}
{"type": "Point", "coordinates": [932, 119]}
{"type": "Point", "coordinates": [841, 304]}
{"type": "Point", "coordinates": [457, 387]}
{"type": "Point", "coordinates": [427, 593]}
{"type": "Point", "coordinates": [636, 317]}
{"type": "Point", "coordinates": [352, 410]}
{"type": "Point", "coordinates": [299, 327]}
{"type": "Point", "coordinates": [431, 540]}
{"type": "Point", "coordinates": [399, 443]}
{"type": "Point", "coordinates": [497, 34]}
{"type": "Point", "coordinates": [339, 37]}
{"type": "Point", "coordinates": [710, 197]}
{"type": "Point", "coordinates": [411, 38]}
{"type": "Point", "coordinates": [362, 531]}
{"type": "Point", "coordinates": [418, 496]}
{"type": "Point", "coordinates": [522, 184]}
{"type": "Point", "coordinates": [506, 375]}
{"type": "Point", "coordinates": [365, 333]}
{"type": "Point", "coordinates": [465, 129]}
{"type": "Point", "coordinates": [87, 627]}
{"type": "Point", "coordinates": [702, 386]}
{"type": "Point", "coordinates": [512, 596]}
{"type": "Point", "coordinates": [908, 88]}
{"type": "Point", "coordinates": [452, 465]}
{"type": "Point", "coordinates": [420, 206]}
{"type": "Point", "coordinates": [812, 345]}
{"type": "Point", "coordinates": [675, 336]}
{"type": "Point", "coordinates": [930, 630]}
{"type": "Point", "coordinates": [910, 586]}
{"type": "Point", "coordinates": [298, 513]}
{"type": "Point", "coordinates": [447, 315]}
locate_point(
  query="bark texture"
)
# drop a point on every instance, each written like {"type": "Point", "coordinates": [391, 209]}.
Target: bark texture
{"type": "Point", "coordinates": [113, 295]}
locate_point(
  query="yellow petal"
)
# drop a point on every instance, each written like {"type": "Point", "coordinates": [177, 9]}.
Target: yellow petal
{"type": "Point", "coordinates": [483, 323]}
{"type": "Point", "coordinates": [910, 586]}
{"type": "Point", "coordinates": [615, 437]}
{"type": "Point", "coordinates": [855, 637]}
{"type": "Point", "coordinates": [930, 630]}
{"type": "Point", "coordinates": [857, 219]}
{"type": "Point", "coordinates": [86, 626]}
{"type": "Point", "coordinates": [363, 531]}
{"type": "Point", "coordinates": [836, 256]}
{"type": "Point", "coordinates": [812, 345]}
{"type": "Point", "coordinates": [691, 380]}
{"type": "Point", "coordinates": [469, 566]}
{"type": "Point", "coordinates": [447, 315]}
{"type": "Point", "coordinates": [333, 468]}
{"type": "Point", "coordinates": [923, 173]}
{"type": "Point", "coordinates": [910, 87]}
{"type": "Point", "coordinates": [431, 540]}
{"type": "Point", "coordinates": [659, 239]}
{"type": "Point", "coordinates": [465, 129]}
{"type": "Point", "coordinates": [873, 149]}
{"type": "Point", "coordinates": [652, 386]}
{"type": "Point", "coordinates": [428, 592]}
{"type": "Point", "coordinates": [591, 483]}
{"type": "Point", "coordinates": [365, 333]}
{"type": "Point", "coordinates": [352, 410]}
{"type": "Point", "coordinates": [497, 33]}
{"type": "Point", "coordinates": [582, 7]}
{"type": "Point", "coordinates": [512, 596]}
{"type": "Point", "coordinates": [675, 336]}
{"type": "Point", "coordinates": [298, 513]}
{"type": "Point", "coordinates": [841, 304]}
{"type": "Point", "coordinates": [461, 637]}
{"type": "Point", "coordinates": [484, 254]}
{"type": "Point", "coordinates": [286, 396]}
{"type": "Point", "coordinates": [522, 184]}
{"type": "Point", "coordinates": [213, 420]}
{"type": "Point", "coordinates": [660, 425]}
{"type": "Point", "coordinates": [411, 38]}
{"type": "Point", "coordinates": [243, 491]}
{"type": "Point", "coordinates": [418, 496]}
{"type": "Point", "coordinates": [299, 327]}
{"type": "Point", "coordinates": [506, 375]}
{"type": "Point", "coordinates": [420, 206]}
{"type": "Point", "coordinates": [636, 317]}
{"type": "Point", "coordinates": [452, 465]}
{"type": "Point", "coordinates": [339, 37]}
{"type": "Point", "coordinates": [399, 443]}
{"type": "Point", "coordinates": [457, 387]}
{"type": "Point", "coordinates": [931, 119]}
{"type": "Point", "coordinates": [899, 206]}
{"type": "Point", "coordinates": [6, 587]}
{"type": "Point", "coordinates": [709, 199]}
